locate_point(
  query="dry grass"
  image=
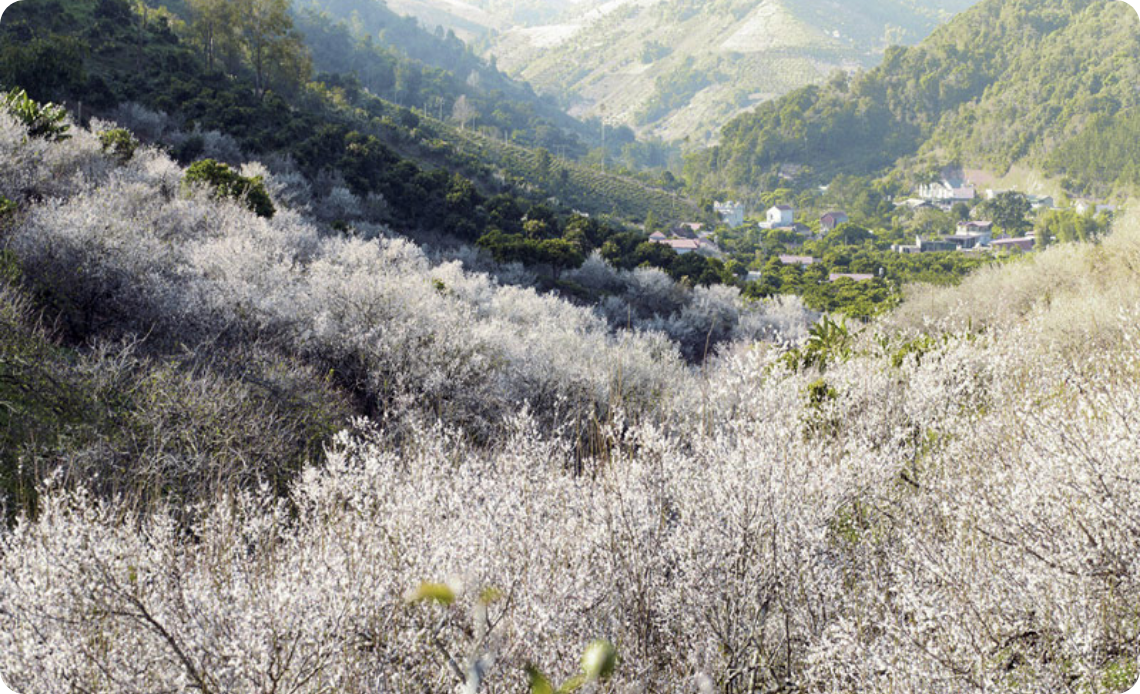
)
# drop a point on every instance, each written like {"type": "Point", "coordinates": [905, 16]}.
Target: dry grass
{"type": "Point", "coordinates": [1074, 290]}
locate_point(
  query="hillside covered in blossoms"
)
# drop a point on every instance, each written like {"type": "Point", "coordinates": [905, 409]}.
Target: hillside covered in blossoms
{"type": "Point", "coordinates": [243, 450]}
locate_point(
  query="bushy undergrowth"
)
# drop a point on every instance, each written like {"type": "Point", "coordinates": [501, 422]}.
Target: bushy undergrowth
{"type": "Point", "coordinates": [1070, 290]}
{"type": "Point", "coordinates": [929, 511]}
{"type": "Point", "coordinates": [117, 250]}
{"type": "Point", "coordinates": [700, 320]}
{"type": "Point", "coordinates": [147, 429]}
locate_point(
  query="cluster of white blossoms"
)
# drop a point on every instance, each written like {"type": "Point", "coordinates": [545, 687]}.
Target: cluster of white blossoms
{"type": "Point", "coordinates": [951, 511]}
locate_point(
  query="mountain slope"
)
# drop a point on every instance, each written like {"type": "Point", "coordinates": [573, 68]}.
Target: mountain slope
{"type": "Point", "coordinates": [396, 58]}
{"type": "Point", "coordinates": [1009, 82]}
{"type": "Point", "coordinates": [676, 68]}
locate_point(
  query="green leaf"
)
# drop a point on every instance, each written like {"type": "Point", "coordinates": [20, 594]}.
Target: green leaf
{"type": "Point", "coordinates": [436, 592]}
{"type": "Point", "coordinates": [538, 682]}
{"type": "Point", "coordinates": [490, 595]}
{"type": "Point", "coordinates": [599, 660]}
{"type": "Point", "coordinates": [573, 684]}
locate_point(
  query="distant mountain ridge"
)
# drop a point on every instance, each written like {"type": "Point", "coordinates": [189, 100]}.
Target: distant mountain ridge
{"type": "Point", "coordinates": [681, 68]}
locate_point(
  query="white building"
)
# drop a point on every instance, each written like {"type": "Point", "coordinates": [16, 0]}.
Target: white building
{"type": "Point", "coordinates": [731, 213]}
{"type": "Point", "coordinates": [946, 191]}
{"type": "Point", "coordinates": [781, 216]}
{"type": "Point", "coordinates": [982, 229]}
{"type": "Point", "coordinates": [1086, 207]}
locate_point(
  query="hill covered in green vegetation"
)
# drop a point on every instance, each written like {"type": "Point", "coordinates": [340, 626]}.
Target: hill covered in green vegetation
{"type": "Point", "coordinates": [679, 69]}
{"type": "Point", "coordinates": [207, 83]}
{"type": "Point", "coordinates": [397, 59]}
{"type": "Point", "coordinates": [1045, 85]}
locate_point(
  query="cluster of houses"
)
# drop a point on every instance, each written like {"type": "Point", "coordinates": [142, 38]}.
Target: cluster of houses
{"type": "Point", "coordinates": [944, 193]}
{"type": "Point", "coordinates": [972, 236]}
{"type": "Point", "coordinates": [949, 190]}
{"type": "Point", "coordinates": [784, 217]}
{"type": "Point", "coordinates": [978, 235]}
{"type": "Point", "coordinates": [777, 217]}
{"type": "Point", "coordinates": [689, 237]}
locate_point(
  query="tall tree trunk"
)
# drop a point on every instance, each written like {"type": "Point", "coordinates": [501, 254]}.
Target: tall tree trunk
{"type": "Point", "coordinates": [139, 39]}
{"type": "Point", "coordinates": [258, 68]}
{"type": "Point", "coordinates": [210, 47]}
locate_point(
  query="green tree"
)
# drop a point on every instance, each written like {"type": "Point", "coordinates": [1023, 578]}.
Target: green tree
{"type": "Point", "coordinates": [559, 254]}
{"type": "Point", "coordinates": [227, 183]}
{"type": "Point", "coordinates": [650, 222]}
{"type": "Point", "coordinates": [1008, 210]}
{"type": "Point", "coordinates": [214, 28]}
{"type": "Point", "coordinates": [120, 143]}
{"type": "Point", "coordinates": [931, 222]}
{"type": "Point", "coordinates": [274, 51]}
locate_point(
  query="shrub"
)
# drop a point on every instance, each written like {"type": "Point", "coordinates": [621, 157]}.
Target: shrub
{"type": "Point", "coordinates": [47, 121]}
{"type": "Point", "coordinates": [7, 210]}
{"type": "Point", "coordinates": [227, 183]}
{"type": "Point", "coordinates": [120, 143]}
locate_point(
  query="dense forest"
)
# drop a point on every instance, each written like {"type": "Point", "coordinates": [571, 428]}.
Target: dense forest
{"type": "Point", "coordinates": [394, 58]}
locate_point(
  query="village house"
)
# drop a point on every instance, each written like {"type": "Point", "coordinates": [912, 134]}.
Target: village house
{"type": "Point", "coordinates": [965, 242]}
{"type": "Point", "coordinates": [681, 246]}
{"type": "Point", "coordinates": [780, 216]}
{"type": "Point", "coordinates": [974, 233]}
{"type": "Point", "coordinates": [976, 226]}
{"type": "Point", "coordinates": [684, 246]}
{"type": "Point", "coordinates": [854, 276]}
{"type": "Point", "coordinates": [1088, 207]}
{"type": "Point", "coordinates": [731, 213]}
{"type": "Point", "coordinates": [947, 191]}
{"type": "Point", "coordinates": [922, 245]}
{"type": "Point", "coordinates": [1021, 244]}
{"type": "Point", "coordinates": [829, 221]}
{"type": "Point", "coordinates": [688, 230]}
{"type": "Point", "coordinates": [797, 260]}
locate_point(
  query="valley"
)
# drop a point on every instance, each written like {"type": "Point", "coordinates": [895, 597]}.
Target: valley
{"type": "Point", "coordinates": [584, 347]}
{"type": "Point", "coordinates": [677, 69]}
